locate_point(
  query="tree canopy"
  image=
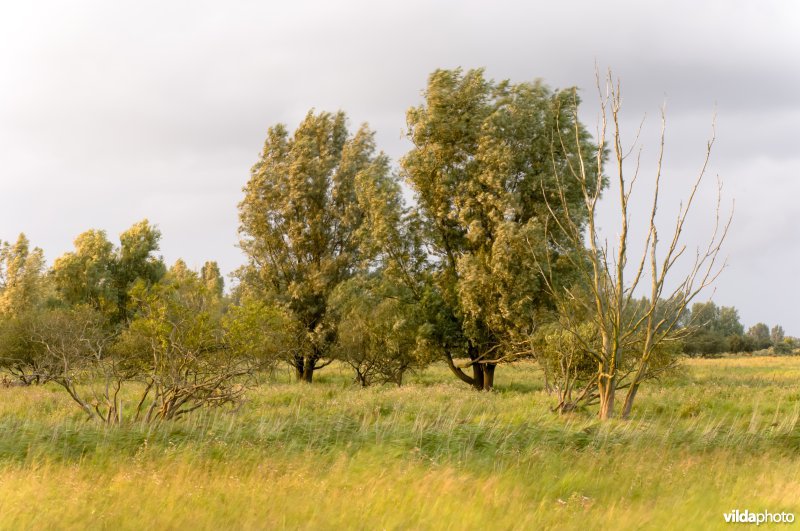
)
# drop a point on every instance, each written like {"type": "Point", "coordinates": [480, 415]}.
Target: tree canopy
{"type": "Point", "coordinates": [481, 167]}
{"type": "Point", "coordinates": [303, 223]}
{"type": "Point", "coordinates": [99, 274]}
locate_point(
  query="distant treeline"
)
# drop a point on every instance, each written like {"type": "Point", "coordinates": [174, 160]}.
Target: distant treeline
{"type": "Point", "coordinates": [716, 330]}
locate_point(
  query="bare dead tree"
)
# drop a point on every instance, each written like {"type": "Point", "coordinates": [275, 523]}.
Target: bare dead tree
{"type": "Point", "coordinates": [631, 331]}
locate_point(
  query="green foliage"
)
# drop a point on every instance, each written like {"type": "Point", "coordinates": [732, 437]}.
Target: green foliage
{"type": "Point", "coordinates": [176, 345]}
{"type": "Point", "coordinates": [303, 222]}
{"type": "Point", "coordinates": [564, 355]}
{"type": "Point", "coordinates": [740, 343]}
{"type": "Point", "coordinates": [18, 355]}
{"type": "Point", "coordinates": [568, 349]}
{"type": "Point", "coordinates": [714, 330]}
{"type": "Point", "coordinates": [24, 292]}
{"type": "Point", "coordinates": [759, 334]}
{"type": "Point", "coordinates": [481, 167]}
{"type": "Point", "coordinates": [379, 329]}
{"type": "Point", "coordinates": [22, 286]}
{"type": "Point", "coordinates": [777, 335]}
{"type": "Point", "coordinates": [212, 277]}
{"type": "Point", "coordinates": [85, 275]}
{"type": "Point", "coordinates": [101, 275]}
{"type": "Point", "coordinates": [182, 345]}
{"type": "Point", "coordinates": [136, 262]}
{"type": "Point", "coordinates": [711, 344]}
{"type": "Point", "coordinates": [261, 333]}
{"type": "Point", "coordinates": [728, 323]}
{"type": "Point", "coordinates": [786, 346]}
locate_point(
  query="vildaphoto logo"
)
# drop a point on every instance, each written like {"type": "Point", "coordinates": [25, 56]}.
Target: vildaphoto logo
{"type": "Point", "coordinates": [746, 517]}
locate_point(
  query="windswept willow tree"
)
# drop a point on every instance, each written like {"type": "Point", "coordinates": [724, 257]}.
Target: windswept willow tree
{"type": "Point", "coordinates": [631, 333]}
{"type": "Point", "coordinates": [481, 168]}
{"type": "Point", "coordinates": [303, 226]}
{"type": "Point", "coordinates": [24, 290]}
{"type": "Point", "coordinates": [21, 272]}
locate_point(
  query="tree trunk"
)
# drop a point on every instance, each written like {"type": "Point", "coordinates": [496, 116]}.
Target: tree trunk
{"type": "Point", "coordinates": [482, 378]}
{"type": "Point", "coordinates": [634, 388]}
{"type": "Point", "coordinates": [477, 376]}
{"type": "Point", "coordinates": [488, 376]}
{"type": "Point", "coordinates": [629, 398]}
{"type": "Point", "coordinates": [304, 367]}
{"type": "Point", "coordinates": [457, 370]}
{"type": "Point", "coordinates": [606, 388]}
{"type": "Point", "coordinates": [298, 364]}
{"type": "Point", "coordinates": [308, 368]}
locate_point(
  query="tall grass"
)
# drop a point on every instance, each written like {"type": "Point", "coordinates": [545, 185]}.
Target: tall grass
{"type": "Point", "coordinates": [721, 435]}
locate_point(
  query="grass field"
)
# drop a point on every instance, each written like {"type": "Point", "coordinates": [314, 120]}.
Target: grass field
{"type": "Point", "coordinates": [724, 434]}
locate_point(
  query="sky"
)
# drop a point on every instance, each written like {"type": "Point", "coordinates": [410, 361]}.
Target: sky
{"type": "Point", "coordinates": [111, 112]}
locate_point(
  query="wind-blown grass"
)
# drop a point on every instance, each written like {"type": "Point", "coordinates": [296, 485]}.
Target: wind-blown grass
{"type": "Point", "coordinates": [723, 434]}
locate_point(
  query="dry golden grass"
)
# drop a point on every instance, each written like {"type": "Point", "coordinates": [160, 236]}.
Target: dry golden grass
{"type": "Point", "coordinates": [430, 455]}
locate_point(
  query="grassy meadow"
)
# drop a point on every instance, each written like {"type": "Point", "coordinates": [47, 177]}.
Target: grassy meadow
{"type": "Point", "coordinates": [720, 435]}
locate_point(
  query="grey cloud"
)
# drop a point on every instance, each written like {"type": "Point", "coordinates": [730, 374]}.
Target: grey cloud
{"type": "Point", "coordinates": [111, 112]}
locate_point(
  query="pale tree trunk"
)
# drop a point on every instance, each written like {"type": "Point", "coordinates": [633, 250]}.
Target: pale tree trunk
{"type": "Point", "coordinates": [610, 289]}
{"type": "Point", "coordinates": [629, 398]}
{"type": "Point", "coordinates": [606, 387]}
{"type": "Point", "coordinates": [607, 370]}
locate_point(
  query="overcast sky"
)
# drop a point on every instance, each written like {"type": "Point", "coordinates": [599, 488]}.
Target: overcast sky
{"type": "Point", "coordinates": [111, 112]}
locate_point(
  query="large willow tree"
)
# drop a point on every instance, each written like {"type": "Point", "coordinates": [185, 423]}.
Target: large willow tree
{"type": "Point", "coordinates": [481, 167]}
{"type": "Point", "coordinates": [303, 225]}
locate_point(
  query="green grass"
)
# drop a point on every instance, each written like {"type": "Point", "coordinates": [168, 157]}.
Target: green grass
{"type": "Point", "coordinates": [722, 434]}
